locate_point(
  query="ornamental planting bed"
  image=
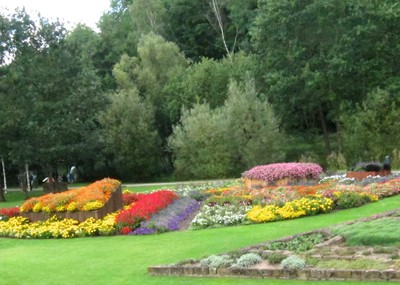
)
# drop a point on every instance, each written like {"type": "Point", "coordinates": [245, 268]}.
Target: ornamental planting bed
{"type": "Point", "coordinates": [319, 249]}
{"type": "Point", "coordinates": [113, 204]}
{"type": "Point", "coordinates": [94, 201]}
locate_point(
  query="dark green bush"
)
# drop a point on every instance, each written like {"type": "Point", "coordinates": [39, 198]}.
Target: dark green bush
{"type": "Point", "coordinates": [276, 257]}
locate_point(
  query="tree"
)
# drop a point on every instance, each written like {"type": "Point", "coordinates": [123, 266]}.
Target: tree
{"type": "Point", "coordinates": [51, 96]}
{"type": "Point", "coordinates": [195, 28]}
{"type": "Point", "coordinates": [200, 144]}
{"type": "Point", "coordinates": [157, 62]}
{"type": "Point", "coordinates": [225, 141]}
{"type": "Point", "coordinates": [254, 134]}
{"type": "Point", "coordinates": [118, 36]}
{"type": "Point", "coordinates": [319, 55]}
{"type": "Point", "coordinates": [130, 135]}
{"type": "Point", "coordinates": [379, 112]}
{"type": "Point", "coordinates": [149, 16]}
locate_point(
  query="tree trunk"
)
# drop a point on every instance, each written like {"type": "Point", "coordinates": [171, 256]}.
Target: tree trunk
{"type": "Point", "coordinates": [2, 198]}
{"type": "Point", "coordinates": [28, 179]}
{"type": "Point", "coordinates": [339, 136]}
{"type": "Point", "coordinates": [4, 175]}
{"type": "Point", "coordinates": [324, 129]}
{"type": "Point", "coordinates": [24, 186]}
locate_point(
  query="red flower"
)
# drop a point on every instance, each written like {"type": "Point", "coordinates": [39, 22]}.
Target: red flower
{"type": "Point", "coordinates": [10, 212]}
{"type": "Point", "coordinates": [144, 207]}
{"type": "Point", "coordinates": [126, 230]}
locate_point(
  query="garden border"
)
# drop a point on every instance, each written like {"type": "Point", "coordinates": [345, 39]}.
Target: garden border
{"type": "Point", "coordinates": [113, 204]}
{"type": "Point", "coordinates": [280, 273]}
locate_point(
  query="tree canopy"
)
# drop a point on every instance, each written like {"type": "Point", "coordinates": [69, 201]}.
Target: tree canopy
{"type": "Point", "coordinates": [200, 89]}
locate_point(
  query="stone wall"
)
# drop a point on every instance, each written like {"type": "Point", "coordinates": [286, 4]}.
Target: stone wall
{"type": "Point", "coordinates": [305, 274]}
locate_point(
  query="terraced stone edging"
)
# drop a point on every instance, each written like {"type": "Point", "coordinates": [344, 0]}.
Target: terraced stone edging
{"type": "Point", "coordinates": [194, 268]}
{"type": "Point", "coordinates": [305, 274]}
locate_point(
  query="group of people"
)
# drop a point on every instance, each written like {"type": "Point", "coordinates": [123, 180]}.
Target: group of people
{"type": "Point", "coordinates": [34, 183]}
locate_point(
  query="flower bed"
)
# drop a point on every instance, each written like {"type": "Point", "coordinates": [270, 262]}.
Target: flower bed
{"type": "Point", "coordinates": [170, 218]}
{"type": "Point", "coordinates": [96, 200]}
{"type": "Point", "coordinates": [280, 174]}
{"type": "Point", "coordinates": [7, 213]}
{"type": "Point", "coordinates": [146, 205]}
{"type": "Point", "coordinates": [306, 206]}
{"type": "Point", "coordinates": [21, 227]}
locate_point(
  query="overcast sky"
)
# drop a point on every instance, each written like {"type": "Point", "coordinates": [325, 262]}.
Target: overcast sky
{"type": "Point", "coordinates": [69, 12]}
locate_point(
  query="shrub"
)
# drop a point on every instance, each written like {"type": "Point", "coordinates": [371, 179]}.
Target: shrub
{"type": "Point", "coordinates": [373, 166]}
{"type": "Point", "coordinates": [298, 244]}
{"type": "Point", "coordinates": [368, 166]}
{"type": "Point", "coordinates": [247, 260]}
{"type": "Point", "coordinates": [276, 171]}
{"type": "Point", "coordinates": [349, 199]}
{"type": "Point", "coordinates": [217, 261]}
{"type": "Point", "coordinates": [293, 262]}
{"type": "Point", "coordinates": [276, 257]}
{"type": "Point", "coordinates": [336, 161]}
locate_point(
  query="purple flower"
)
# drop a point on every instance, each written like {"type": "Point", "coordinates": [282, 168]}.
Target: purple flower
{"type": "Point", "coordinates": [170, 218]}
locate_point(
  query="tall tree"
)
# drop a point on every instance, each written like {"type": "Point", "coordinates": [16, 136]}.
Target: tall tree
{"type": "Point", "coordinates": [157, 62]}
{"type": "Point", "coordinates": [118, 36]}
{"type": "Point", "coordinates": [319, 55]}
{"type": "Point", "coordinates": [200, 144]}
{"type": "Point", "coordinates": [225, 141]}
{"type": "Point", "coordinates": [372, 131]}
{"type": "Point", "coordinates": [51, 94]}
{"type": "Point", "coordinates": [130, 135]}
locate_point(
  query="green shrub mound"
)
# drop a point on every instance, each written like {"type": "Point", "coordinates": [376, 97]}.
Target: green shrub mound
{"type": "Point", "coordinates": [293, 262]}
{"type": "Point", "coordinates": [217, 261]}
{"type": "Point", "coordinates": [247, 260]}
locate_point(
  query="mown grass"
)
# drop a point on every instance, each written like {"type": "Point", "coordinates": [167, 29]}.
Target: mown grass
{"type": "Point", "coordinates": [144, 188]}
{"type": "Point", "coordinates": [124, 259]}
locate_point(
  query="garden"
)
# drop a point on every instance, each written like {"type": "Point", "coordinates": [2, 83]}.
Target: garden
{"type": "Point", "coordinates": [367, 249]}
{"type": "Point", "coordinates": [196, 212]}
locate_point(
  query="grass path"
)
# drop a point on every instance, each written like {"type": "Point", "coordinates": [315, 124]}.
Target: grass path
{"type": "Point", "coordinates": [124, 259]}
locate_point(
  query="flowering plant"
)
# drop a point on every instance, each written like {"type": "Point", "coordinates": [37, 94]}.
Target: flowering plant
{"type": "Point", "coordinates": [7, 213]}
{"type": "Point", "coordinates": [170, 218]}
{"type": "Point", "coordinates": [297, 208]}
{"type": "Point", "coordinates": [217, 216]}
{"type": "Point", "coordinates": [276, 171]}
{"type": "Point", "coordinates": [145, 206]}
{"type": "Point", "coordinates": [87, 198]}
{"type": "Point", "coordinates": [20, 227]}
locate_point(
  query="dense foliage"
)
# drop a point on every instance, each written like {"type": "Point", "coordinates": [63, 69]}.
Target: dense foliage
{"type": "Point", "coordinates": [201, 89]}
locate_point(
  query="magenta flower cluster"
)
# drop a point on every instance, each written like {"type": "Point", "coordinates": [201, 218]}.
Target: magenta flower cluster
{"type": "Point", "coordinates": [276, 171]}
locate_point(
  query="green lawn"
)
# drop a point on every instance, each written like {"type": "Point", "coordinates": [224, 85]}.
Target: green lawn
{"type": "Point", "coordinates": [124, 259]}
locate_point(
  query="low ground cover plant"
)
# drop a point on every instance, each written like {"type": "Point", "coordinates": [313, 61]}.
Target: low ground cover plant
{"type": "Point", "coordinates": [382, 231]}
{"type": "Point", "coordinates": [298, 244]}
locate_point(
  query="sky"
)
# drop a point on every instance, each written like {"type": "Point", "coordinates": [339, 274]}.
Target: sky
{"type": "Point", "coordinates": [70, 12]}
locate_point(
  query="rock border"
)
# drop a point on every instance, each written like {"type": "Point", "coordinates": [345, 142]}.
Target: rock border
{"type": "Point", "coordinates": [305, 274]}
